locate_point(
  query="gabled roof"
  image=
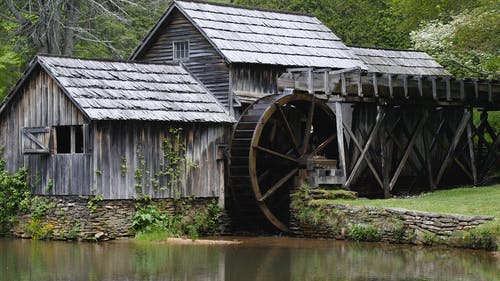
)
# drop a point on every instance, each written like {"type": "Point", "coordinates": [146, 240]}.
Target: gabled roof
{"type": "Point", "coordinates": [116, 90]}
{"type": "Point", "coordinates": [399, 61]}
{"type": "Point", "coordinates": [249, 35]}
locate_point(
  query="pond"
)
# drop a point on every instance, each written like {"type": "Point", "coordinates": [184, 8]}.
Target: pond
{"type": "Point", "coordinates": [268, 258]}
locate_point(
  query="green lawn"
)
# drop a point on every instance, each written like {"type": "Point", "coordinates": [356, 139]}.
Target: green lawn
{"type": "Point", "coordinates": [465, 201]}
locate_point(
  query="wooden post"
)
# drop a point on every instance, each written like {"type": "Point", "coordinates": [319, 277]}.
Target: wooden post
{"type": "Point", "coordinates": [434, 88]}
{"type": "Point", "coordinates": [448, 88]}
{"type": "Point", "coordinates": [470, 142]}
{"type": "Point", "coordinates": [389, 83]}
{"type": "Point", "coordinates": [340, 140]}
{"type": "Point", "coordinates": [358, 84]}
{"type": "Point", "coordinates": [375, 84]}
{"type": "Point", "coordinates": [420, 86]}
{"type": "Point", "coordinates": [343, 86]}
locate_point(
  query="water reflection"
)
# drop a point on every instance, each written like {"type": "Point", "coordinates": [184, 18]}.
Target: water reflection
{"type": "Point", "coordinates": [255, 259]}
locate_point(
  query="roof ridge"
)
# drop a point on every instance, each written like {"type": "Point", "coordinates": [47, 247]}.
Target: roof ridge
{"type": "Point", "coordinates": [386, 49]}
{"type": "Point", "coordinates": [107, 60]}
{"type": "Point", "coordinates": [240, 6]}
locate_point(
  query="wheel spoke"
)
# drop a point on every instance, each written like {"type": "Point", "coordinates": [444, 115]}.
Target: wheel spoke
{"type": "Point", "coordinates": [275, 153]}
{"type": "Point", "coordinates": [324, 144]}
{"type": "Point", "coordinates": [307, 133]}
{"type": "Point", "coordinates": [288, 129]}
{"type": "Point", "coordinates": [277, 185]}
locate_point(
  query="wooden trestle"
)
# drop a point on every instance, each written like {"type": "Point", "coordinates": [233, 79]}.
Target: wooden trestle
{"type": "Point", "coordinates": [405, 133]}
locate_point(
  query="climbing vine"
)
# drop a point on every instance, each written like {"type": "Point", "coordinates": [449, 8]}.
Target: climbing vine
{"type": "Point", "coordinates": [172, 167]}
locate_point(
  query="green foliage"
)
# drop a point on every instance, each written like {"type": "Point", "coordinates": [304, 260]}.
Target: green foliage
{"type": "Point", "coordinates": [364, 232]}
{"type": "Point", "coordinates": [430, 239]}
{"type": "Point", "coordinates": [93, 203]}
{"type": "Point", "coordinates": [466, 43]}
{"type": "Point", "coordinates": [73, 233]}
{"type": "Point", "coordinates": [39, 230]}
{"type": "Point", "coordinates": [40, 206]}
{"type": "Point", "coordinates": [14, 195]}
{"type": "Point", "coordinates": [152, 224]}
{"type": "Point", "coordinates": [485, 237]}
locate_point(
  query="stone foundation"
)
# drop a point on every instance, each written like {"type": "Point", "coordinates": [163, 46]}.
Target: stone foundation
{"type": "Point", "coordinates": [392, 225]}
{"type": "Point", "coordinates": [71, 217]}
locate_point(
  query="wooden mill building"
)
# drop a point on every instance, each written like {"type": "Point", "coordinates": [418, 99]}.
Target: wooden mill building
{"type": "Point", "coordinates": [267, 100]}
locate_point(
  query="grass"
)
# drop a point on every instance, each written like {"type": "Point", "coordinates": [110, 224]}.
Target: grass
{"type": "Point", "coordinates": [463, 201]}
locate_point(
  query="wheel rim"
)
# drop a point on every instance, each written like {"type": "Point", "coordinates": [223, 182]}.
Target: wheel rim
{"type": "Point", "coordinates": [290, 131]}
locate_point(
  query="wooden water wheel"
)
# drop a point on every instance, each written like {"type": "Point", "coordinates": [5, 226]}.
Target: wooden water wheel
{"type": "Point", "coordinates": [271, 151]}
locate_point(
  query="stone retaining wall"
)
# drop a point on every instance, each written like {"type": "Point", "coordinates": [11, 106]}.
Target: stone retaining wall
{"type": "Point", "coordinates": [70, 217]}
{"type": "Point", "coordinates": [392, 224]}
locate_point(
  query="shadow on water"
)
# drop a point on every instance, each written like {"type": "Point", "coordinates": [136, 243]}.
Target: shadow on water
{"type": "Point", "coordinates": [254, 259]}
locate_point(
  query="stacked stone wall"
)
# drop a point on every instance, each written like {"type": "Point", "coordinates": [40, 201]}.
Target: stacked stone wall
{"type": "Point", "coordinates": [392, 224]}
{"type": "Point", "coordinates": [71, 217]}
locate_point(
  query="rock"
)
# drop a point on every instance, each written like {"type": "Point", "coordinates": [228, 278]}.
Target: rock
{"type": "Point", "coordinates": [99, 235]}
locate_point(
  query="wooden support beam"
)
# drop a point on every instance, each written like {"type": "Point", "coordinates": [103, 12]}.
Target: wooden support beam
{"type": "Point", "coordinates": [405, 85]}
{"type": "Point", "coordinates": [462, 89]}
{"type": "Point", "coordinates": [448, 88]}
{"type": "Point", "coordinates": [310, 82]}
{"type": "Point", "coordinates": [420, 86]}
{"type": "Point", "coordinates": [476, 89]}
{"type": "Point", "coordinates": [428, 160]}
{"type": "Point", "coordinates": [461, 127]}
{"type": "Point", "coordinates": [375, 84]}
{"type": "Point", "coordinates": [343, 86]}
{"type": "Point", "coordinates": [326, 83]}
{"type": "Point", "coordinates": [364, 150]}
{"type": "Point", "coordinates": [490, 93]}
{"type": "Point", "coordinates": [470, 142]}
{"type": "Point", "coordinates": [389, 83]}
{"type": "Point", "coordinates": [408, 149]}
{"type": "Point", "coordinates": [340, 139]}
{"type": "Point", "coordinates": [359, 85]}
{"type": "Point", "coordinates": [434, 88]}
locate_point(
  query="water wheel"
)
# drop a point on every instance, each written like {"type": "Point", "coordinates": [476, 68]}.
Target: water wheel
{"type": "Point", "coordinates": [271, 151]}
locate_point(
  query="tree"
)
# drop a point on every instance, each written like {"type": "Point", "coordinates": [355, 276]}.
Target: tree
{"type": "Point", "coordinates": [467, 45]}
{"type": "Point", "coordinates": [361, 22]}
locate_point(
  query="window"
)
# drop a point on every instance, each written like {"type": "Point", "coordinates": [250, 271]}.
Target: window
{"type": "Point", "coordinates": [69, 139]}
{"type": "Point", "coordinates": [181, 50]}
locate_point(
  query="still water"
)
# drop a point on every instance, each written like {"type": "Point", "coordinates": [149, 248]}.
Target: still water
{"type": "Point", "coordinates": [254, 259]}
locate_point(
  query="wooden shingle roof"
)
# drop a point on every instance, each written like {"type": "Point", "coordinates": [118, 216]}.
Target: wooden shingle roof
{"type": "Point", "coordinates": [399, 62]}
{"type": "Point", "coordinates": [249, 35]}
{"type": "Point", "coordinates": [115, 90]}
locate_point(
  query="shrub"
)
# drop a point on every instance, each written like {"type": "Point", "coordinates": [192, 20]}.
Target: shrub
{"type": "Point", "coordinates": [152, 224]}
{"type": "Point", "coordinates": [14, 195]}
{"type": "Point", "coordinates": [364, 232]}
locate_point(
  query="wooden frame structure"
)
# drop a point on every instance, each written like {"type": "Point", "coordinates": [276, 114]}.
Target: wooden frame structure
{"type": "Point", "coordinates": [406, 132]}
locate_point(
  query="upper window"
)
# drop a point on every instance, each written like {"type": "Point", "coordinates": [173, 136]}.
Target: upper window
{"type": "Point", "coordinates": [181, 50]}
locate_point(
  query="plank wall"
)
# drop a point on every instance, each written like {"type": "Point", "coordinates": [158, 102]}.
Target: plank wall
{"type": "Point", "coordinates": [128, 156]}
{"type": "Point", "coordinates": [41, 103]}
{"type": "Point", "coordinates": [204, 61]}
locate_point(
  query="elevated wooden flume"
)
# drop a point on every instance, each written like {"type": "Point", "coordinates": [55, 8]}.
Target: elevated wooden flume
{"type": "Point", "coordinates": [376, 133]}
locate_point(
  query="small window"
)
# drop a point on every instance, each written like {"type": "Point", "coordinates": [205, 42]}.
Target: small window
{"type": "Point", "coordinates": [63, 134]}
{"type": "Point", "coordinates": [69, 139]}
{"type": "Point", "coordinates": [181, 50]}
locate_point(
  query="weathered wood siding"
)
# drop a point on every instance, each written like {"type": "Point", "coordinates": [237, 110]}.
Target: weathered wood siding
{"type": "Point", "coordinates": [255, 78]}
{"type": "Point", "coordinates": [129, 155]}
{"type": "Point", "coordinates": [204, 61]}
{"type": "Point", "coordinates": [42, 104]}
